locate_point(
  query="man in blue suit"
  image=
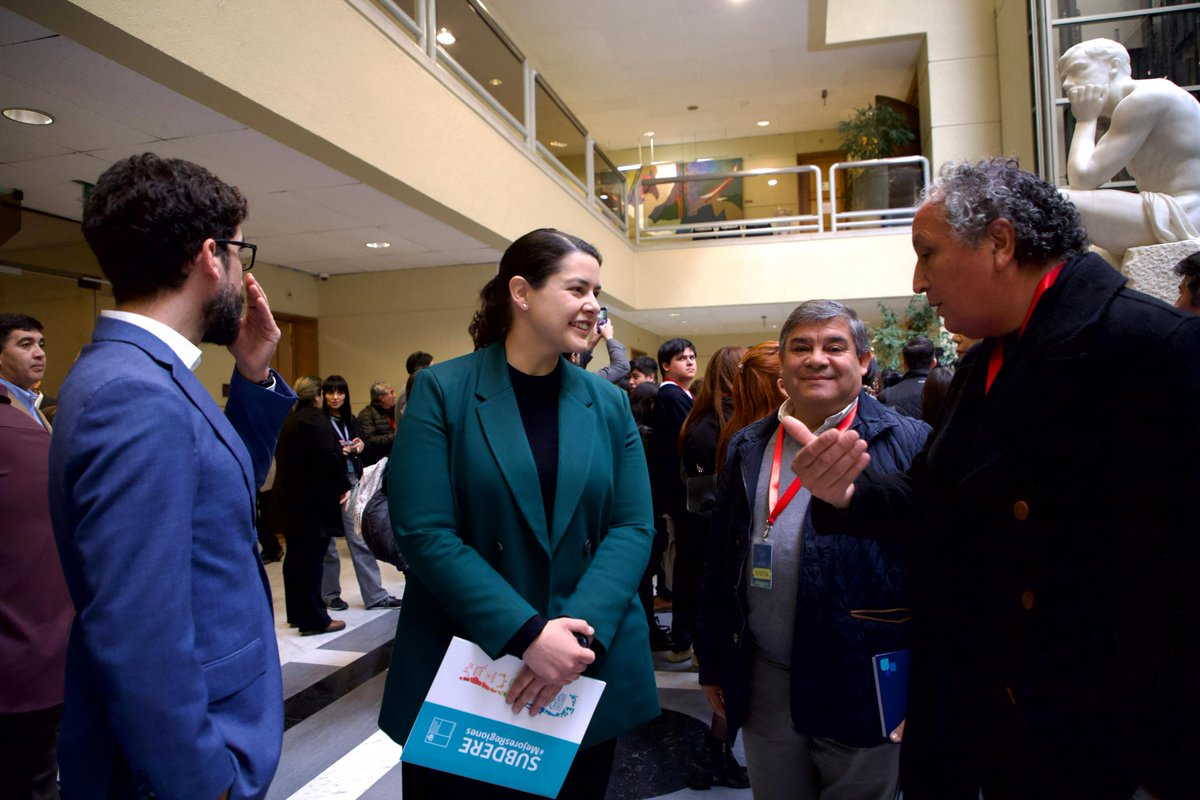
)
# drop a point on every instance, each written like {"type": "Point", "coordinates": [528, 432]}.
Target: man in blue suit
{"type": "Point", "coordinates": [173, 684]}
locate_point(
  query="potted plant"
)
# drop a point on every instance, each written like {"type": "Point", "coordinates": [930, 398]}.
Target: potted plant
{"type": "Point", "coordinates": [920, 319]}
{"type": "Point", "coordinates": [875, 131]}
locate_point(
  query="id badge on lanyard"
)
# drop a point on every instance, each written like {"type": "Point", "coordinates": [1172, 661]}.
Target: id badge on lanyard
{"type": "Point", "coordinates": [761, 552]}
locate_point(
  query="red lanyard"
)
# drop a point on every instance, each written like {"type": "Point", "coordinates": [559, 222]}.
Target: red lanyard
{"type": "Point", "coordinates": [997, 358]}
{"type": "Point", "coordinates": [777, 503]}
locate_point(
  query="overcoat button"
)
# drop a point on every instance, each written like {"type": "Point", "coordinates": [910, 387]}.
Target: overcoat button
{"type": "Point", "coordinates": [497, 548]}
{"type": "Point", "coordinates": [735, 638]}
{"type": "Point", "coordinates": [1021, 510]}
{"type": "Point", "coordinates": [1027, 601]}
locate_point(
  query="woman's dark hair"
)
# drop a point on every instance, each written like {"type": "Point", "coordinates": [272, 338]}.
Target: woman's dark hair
{"type": "Point", "coordinates": [535, 257]}
{"type": "Point", "coordinates": [336, 383]}
{"type": "Point", "coordinates": [933, 396]}
{"type": "Point", "coordinates": [717, 385]}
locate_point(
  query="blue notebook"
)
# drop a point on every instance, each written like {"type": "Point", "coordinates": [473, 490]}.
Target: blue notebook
{"type": "Point", "coordinates": [891, 688]}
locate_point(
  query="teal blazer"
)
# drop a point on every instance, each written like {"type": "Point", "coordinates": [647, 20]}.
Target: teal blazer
{"type": "Point", "coordinates": [467, 510]}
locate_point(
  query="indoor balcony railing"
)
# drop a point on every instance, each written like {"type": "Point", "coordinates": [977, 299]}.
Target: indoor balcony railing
{"type": "Point", "coordinates": [463, 39]}
{"type": "Point", "coordinates": [703, 206]}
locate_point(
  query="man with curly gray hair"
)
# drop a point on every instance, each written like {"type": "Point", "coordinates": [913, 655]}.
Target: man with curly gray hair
{"type": "Point", "coordinates": [1049, 521]}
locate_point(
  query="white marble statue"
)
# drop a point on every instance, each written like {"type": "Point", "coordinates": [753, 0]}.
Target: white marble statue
{"type": "Point", "coordinates": [1154, 132]}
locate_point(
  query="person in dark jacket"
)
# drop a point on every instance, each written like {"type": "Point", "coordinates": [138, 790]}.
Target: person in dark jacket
{"type": "Point", "coordinates": [905, 395]}
{"type": "Point", "coordinates": [336, 395]}
{"type": "Point", "coordinates": [310, 482]}
{"type": "Point", "coordinates": [714, 763]}
{"type": "Point", "coordinates": [790, 621]}
{"type": "Point", "coordinates": [378, 422]}
{"type": "Point", "coordinates": [1053, 527]}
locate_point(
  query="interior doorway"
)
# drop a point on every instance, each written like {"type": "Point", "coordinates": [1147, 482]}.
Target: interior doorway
{"type": "Point", "coordinates": [297, 353]}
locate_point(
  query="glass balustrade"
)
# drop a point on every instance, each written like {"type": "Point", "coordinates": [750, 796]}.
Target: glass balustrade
{"type": "Point", "coordinates": [706, 199]}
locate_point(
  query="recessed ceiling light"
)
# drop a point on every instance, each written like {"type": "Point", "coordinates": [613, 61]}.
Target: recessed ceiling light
{"type": "Point", "coordinates": [762, 123]}
{"type": "Point", "coordinates": [444, 36]}
{"type": "Point", "coordinates": [28, 116]}
{"type": "Point", "coordinates": [603, 197]}
{"type": "Point", "coordinates": [672, 313]}
{"type": "Point", "coordinates": [378, 245]}
{"type": "Point", "coordinates": [647, 133]}
{"type": "Point", "coordinates": [772, 182]}
{"type": "Point", "coordinates": [495, 82]}
{"type": "Point", "coordinates": [557, 143]}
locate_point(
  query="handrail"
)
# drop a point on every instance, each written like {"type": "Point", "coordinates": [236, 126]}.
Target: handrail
{"type": "Point", "coordinates": [854, 219]}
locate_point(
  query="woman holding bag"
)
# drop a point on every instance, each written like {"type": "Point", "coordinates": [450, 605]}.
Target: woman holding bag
{"type": "Point", "coordinates": [519, 495]}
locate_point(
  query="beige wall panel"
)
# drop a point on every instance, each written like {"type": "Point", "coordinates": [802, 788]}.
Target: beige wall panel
{"type": "Point", "coordinates": [956, 28]}
{"type": "Point", "coordinates": [1016, 96]}
{"type": "Point", "coordinates": [769, 272]}
{"type": "Point", "coordinates": [973, 142]}
{"type": "Point", "coordinates": [964, 91]}
{"type": "Point", "coordinates": [288, 291]}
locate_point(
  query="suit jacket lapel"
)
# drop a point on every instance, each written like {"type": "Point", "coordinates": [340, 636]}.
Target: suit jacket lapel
{"type": "Point", "coordinates": [501, 422]}
{"type": "Point", "coordinates": [576, 438]}
{"type": "Point", "coordinates": [118, 330]}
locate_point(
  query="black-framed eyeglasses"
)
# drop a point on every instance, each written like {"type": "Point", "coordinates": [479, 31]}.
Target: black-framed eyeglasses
{"type": "Point", "coordinates": [246, 252]}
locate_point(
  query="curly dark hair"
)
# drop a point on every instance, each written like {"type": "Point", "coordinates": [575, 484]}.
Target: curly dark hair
{"type": "Point", "coordinates": [148, 216]}
{"type": "Point", "coordinates": [535, 257]}
{"type": "Point", "coordinates": [974, 194]}
{"type": "Point", "coordinates": [1187, 269]}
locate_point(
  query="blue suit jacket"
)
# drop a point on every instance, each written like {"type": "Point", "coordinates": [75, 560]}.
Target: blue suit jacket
{"type": "Point", "coordinates": [173, 683]}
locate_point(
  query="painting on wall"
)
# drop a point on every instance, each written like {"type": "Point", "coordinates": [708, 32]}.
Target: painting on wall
{"type": "Point", "coordinates": [690, 202]}
{"type": "Point", "coordinates": [716, 200]}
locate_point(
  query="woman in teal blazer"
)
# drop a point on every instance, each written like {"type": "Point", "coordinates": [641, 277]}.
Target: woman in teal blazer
{"type": "Point", "coordinates": [518, 493]}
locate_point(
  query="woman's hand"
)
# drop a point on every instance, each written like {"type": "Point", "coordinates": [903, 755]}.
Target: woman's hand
{"type": "Point", "coordinates": [530, 690]}
{"type": "Point", "coordinates": [555, 656]}
{"type": "Point", "coordinates": [358, 445]}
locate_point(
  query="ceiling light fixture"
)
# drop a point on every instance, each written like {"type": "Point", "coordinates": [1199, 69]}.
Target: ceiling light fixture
{"type": "Point", "coordinates": [495, 82]}
{"type": "Point", "coordinates": [28, 116]}
{"type": "Point", "coordinates": [445, 37]}
{"type": "Point", "coordinates": [762, 123]}
{"type": "Point", "coordinates": [557, 143]}
{"type": "Point", "coordinates": [772, 182]}
{"type": "Point", "coordinates": [603, 197]}
{"type": "Point", "coordinates": [378, 245]}
{"type": "Point", "coordinates": [672, 313]}
{"type": "Point", "coordinates": [648, 133]}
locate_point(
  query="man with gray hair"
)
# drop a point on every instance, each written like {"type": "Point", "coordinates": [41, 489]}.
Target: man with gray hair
{"type": "Point", "coordinates": [1050, 526]}
{"type": "Point", "coordinates": [1152, 134]}
{"type": "Point", "coordinates": [378, 420]}
{"type": "Point", "coordinates": [789, 621]}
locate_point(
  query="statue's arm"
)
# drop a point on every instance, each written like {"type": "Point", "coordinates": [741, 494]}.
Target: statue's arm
{"type": "Point", "coordinates": [1091, 163]}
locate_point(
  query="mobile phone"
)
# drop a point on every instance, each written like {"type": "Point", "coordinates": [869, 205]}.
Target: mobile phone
{"type": "Point", "coordinates": [602, 317]}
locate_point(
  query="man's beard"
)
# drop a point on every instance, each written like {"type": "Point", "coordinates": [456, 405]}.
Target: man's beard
{"type": "Point", "coordinates": [223, 317]}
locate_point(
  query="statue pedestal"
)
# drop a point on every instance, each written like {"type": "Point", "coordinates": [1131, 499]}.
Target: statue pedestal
{"type": "Point", "coordinates": [1150, 269]}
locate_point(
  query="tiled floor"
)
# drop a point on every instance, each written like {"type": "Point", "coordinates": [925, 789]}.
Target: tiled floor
{"type": "Point", "coordinates": [332, 747]}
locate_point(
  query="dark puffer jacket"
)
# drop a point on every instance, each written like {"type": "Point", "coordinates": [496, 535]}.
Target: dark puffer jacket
{"type": "Point", "coordinates": [852, 597]}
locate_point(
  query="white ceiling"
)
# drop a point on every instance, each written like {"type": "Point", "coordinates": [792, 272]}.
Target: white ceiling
{"type": "Point", "coordinates": [628, 66]}
{"type": "Point", "coordinates": [622, 66]}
